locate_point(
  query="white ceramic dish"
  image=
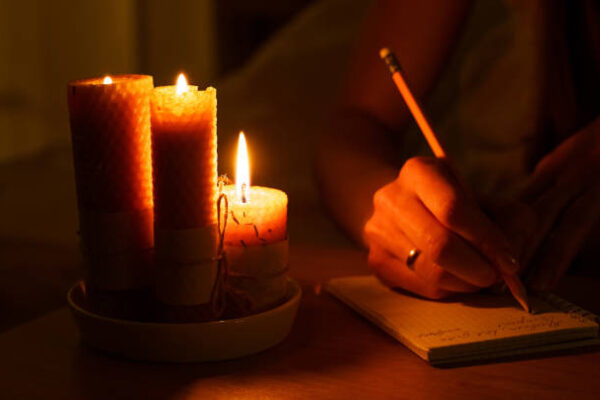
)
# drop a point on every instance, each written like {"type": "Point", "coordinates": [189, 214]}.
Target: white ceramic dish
{"type": "Point", "coordinates": [187, 342]}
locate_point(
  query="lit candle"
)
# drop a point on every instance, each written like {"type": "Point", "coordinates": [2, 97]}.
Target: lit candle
{"type": "Point", "coordinates": [184, 158]}
{"type": "Point", "coordinates": [256, 237]}
{"type": "Point", "coordinates": [257, 215]}
{"type": "Point", "coordinates": [184, 154]}
{"type": "Point", "coordinates": [110, 130]}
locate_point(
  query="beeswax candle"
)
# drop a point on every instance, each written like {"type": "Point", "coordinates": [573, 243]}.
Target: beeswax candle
{"type": "Point", "coordinates": [110, 130]}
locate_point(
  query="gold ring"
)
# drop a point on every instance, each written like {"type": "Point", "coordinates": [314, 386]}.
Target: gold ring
{"type": "Point", "coordinates": [413, 254]}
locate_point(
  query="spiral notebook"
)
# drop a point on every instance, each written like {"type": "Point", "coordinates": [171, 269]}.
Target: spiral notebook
{"type": "Point", "coordinates": [473, 327]}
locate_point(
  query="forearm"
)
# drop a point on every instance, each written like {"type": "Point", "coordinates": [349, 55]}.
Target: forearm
{"type": "Point", "coordinates": [356, 157]}
{"type": "Point", "coordinates": [358, 152]}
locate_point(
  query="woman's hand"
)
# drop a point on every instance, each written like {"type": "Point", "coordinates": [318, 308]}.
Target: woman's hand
{"type": "Point", "coordinates": [564, 190]}
{"type": "Point", "coordinates": [426, 208]}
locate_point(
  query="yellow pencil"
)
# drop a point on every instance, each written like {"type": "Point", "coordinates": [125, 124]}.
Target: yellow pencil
{"type": "Point", "coordinates": [513, 282]}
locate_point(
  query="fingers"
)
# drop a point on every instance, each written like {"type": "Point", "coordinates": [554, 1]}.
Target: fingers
{"type": "Point", "coordinates": [457, 211]}
{"type": "Point", "coordinates": [562, 245]}
{"type": "Point", "coordinates": [441, 278]}
{"type": "Point", "coordinates": [549, 207]}
{"type": "Point", "coordinates": [440, 245]}
{"type": "Point", "coordinates": [426, 208]}
{"type": "Point", "coordinates": [394, 273]}
{"type": "Point", "coordinates": [554, 188]}
{"type": "Point", "coordinates": [580, 145]}
{"type": "Point", "coordinates": [387, 235]}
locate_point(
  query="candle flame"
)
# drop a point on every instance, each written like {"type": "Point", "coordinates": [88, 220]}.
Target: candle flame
{"type": "Point", "coordinates": [242, 172]}
{"type": "Point", "coordinates": [181, 86]}
{"type": "Point", "coordinates": [107, 80]}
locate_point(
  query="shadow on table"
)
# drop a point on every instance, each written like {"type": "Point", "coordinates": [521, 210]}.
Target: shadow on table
{"type": "Point", "coordinates": [475, 300]}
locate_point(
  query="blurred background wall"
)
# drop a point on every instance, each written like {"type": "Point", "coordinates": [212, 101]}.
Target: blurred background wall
{"type": "Point", "coordinates": [44, 44]}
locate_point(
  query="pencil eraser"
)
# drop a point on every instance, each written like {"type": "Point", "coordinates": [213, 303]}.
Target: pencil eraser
{"type": "Point", "coordinates": [384, 52]}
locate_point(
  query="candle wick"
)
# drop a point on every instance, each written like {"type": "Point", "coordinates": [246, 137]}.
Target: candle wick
{"type": "Point", "coordinates": [244, 199]}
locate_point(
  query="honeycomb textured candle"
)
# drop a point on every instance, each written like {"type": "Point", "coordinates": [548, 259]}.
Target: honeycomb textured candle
{"type": "Point", "coordinates": [184, 154]}
{"type": "Point", "coordinates": [110, 129]}
{"type": "Point", "coordinates": [261, 220]}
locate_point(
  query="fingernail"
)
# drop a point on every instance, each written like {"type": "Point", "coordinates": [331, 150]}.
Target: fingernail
{"type": "Point", "coordinates": [508, 263]}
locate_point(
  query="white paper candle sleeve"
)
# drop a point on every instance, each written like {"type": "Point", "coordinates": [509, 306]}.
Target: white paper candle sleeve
{"type": "Point", "coordinates": [186, 265]}
{"type": "Point", "coordinates": [261, 261]}
{"type": "Point", "coordinates": [258, 273]}
{"type": "Point", "coordinates": [186, 285]}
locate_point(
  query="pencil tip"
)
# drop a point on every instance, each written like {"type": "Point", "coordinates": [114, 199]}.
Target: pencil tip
{"type": "Point", "coordinates": [526, 306]}
{"type": "Point", "coordinates": [384, 52]}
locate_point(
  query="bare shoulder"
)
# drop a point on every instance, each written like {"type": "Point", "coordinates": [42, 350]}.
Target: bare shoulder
{"type": "Point", "coordinates": [421, 33]}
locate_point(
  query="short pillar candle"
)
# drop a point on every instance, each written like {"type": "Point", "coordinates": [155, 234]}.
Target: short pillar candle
{"type": "Point", "coordinates": [256, 238]}
{"type": "Point", "coordinates": [258, 219]}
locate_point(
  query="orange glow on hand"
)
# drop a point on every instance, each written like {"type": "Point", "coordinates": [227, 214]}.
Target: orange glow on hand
{"type": "Point", "coordinates": [242, 171]}
{"type": "Point", "coordinates": [182, 85]}
{"type": "Point", "coordinates": [107, 80]}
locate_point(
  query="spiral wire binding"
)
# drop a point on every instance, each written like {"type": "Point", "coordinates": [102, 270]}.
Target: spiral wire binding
{"type": "Point", "coordinates": [218, 293]}
{"type": "Point", "coordinates": [568, 307]}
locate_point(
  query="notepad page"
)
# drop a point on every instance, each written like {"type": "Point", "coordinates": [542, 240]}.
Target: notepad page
{"type": "Point", "coordinates": [467, 325]}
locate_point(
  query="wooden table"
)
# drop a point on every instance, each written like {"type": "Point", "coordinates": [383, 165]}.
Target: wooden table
{"type": "Point", "coordinates": [331, 353]}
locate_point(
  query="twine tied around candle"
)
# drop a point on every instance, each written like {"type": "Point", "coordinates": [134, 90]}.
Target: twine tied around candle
{"type": "Point", "coordinates": [218, 295]}
{"type": "Point", "coordinates": [263, 285]}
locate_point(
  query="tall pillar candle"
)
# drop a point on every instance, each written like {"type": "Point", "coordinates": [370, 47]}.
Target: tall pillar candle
{"type": "Point", "coordinates": [184, 154]}
{"type": "Point", "coordinates": [110, 130]}
{"type": "Point", "coordinates": [256, 238]}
